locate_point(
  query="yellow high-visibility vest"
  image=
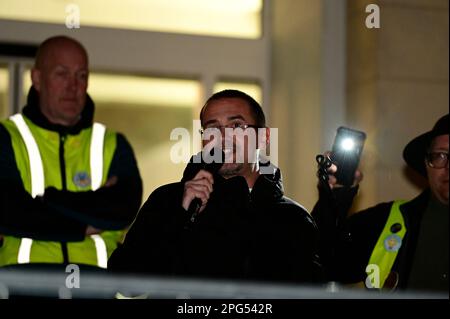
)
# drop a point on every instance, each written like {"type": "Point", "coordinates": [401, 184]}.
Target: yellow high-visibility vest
{"type": "Point", "coordinates": [386, 249]}
{"type": "Point", "coordinates": [87, 157]}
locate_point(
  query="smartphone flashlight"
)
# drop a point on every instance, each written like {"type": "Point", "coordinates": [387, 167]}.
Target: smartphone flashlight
{"type": "Point", "coordinates": [346, 152]}
{"type": "Point", "coordinates": [347, 144]}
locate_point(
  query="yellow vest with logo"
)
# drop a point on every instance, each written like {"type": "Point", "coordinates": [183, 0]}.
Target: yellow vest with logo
{"type": "Point", "coordinates": [87, 157]}
{"type": "Point", "coordinates": [388, 244]}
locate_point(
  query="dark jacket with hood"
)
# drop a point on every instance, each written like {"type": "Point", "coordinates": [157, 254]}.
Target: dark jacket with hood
{"type": "Point", "coordinates": [61, 215]}
{"type": "Point", "coordinates": [345, 250]}
{"type": "Point", "coordinates": [259, 235]}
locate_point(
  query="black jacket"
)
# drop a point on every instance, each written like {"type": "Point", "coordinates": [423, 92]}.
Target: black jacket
{"type": "Point", "coordinates": [61, 215]}
{"type": "Point", "coordinates": [346, 249]}
{"type": "Point", "coordinates": [261, 235]}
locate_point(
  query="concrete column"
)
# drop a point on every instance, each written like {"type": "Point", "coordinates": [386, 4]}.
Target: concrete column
{"type": "Point", "coordinates": [308, 87]}
{"type": "Point", "coordinates": [397, 87]}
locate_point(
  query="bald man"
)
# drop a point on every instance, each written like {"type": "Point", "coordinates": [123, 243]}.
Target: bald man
{"type": "Point", "coordinates": [69, 186]}
{"type": "Point", "coordinates": [60, 76]}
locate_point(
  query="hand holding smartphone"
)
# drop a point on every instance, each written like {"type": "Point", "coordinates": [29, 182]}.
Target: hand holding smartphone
{"type": "Point", "coordinates": [346, 153]}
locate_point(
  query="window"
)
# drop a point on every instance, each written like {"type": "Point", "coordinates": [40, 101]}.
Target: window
{"type": "Point", "coordinates": [229, 18]}
{"type": "Point", "coordinates": [146, 110]}
{"type": "Point", "coordinates": [4, 91]}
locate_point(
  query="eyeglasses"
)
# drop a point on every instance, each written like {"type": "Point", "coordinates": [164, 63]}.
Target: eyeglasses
{"type": "Point", "coordinates": [232, 125]}
{"type": "Point", "coordinates": [437, 159]}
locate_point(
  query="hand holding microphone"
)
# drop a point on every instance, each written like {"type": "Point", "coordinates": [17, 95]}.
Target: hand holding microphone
{"type": "Point", "coordinates": [197, 190]}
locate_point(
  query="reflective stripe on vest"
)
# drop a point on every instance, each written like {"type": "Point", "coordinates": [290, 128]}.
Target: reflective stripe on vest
{"type": "Point", "coordinates": [386, 249]}
{"type": "Point", "coordinates": [102, 253]}
{"type": "Point", "coordinates": [38, 181]}
{"type": "Point", "coordinates": [36, 167]}
{"type": "Point", "coordinates": [96, 151]}
{"type": "Point", "coordinates": [24, 251]}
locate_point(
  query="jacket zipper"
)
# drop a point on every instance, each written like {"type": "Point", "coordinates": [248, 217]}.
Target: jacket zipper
{"type": "Point", "coordinates": [62, 166]}
{"type": "Point", "coordinates": [247, 264]}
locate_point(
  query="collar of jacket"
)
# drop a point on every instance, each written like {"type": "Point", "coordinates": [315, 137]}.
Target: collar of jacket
{"type": "Point", "coordinates": [33, 112]}
{"type": "Point", "coordinates": [268, 187]}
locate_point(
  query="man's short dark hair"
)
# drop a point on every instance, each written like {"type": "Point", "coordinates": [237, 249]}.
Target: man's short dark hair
{"type": "Point", "coordinates": [258, 114]}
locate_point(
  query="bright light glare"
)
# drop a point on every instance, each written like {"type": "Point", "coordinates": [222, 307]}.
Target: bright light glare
{"type": "Point", "coordinates": [347, 144]}
{"type": "Point", "coordinates": [229, 18]}
{"type": "Point", "coordinates": [4, 94]}
{"type": "Point", "coordinates": [3, 79]}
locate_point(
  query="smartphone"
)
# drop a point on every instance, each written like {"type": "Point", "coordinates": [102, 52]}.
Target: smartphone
{"type": "Point", "coordinates": [346, 153]}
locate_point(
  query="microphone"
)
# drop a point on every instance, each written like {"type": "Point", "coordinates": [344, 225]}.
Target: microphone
{"type": "Point", "coordinates": [213, 168]}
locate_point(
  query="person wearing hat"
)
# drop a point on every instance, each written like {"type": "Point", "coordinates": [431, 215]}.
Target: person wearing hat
{"type": "Point", "coordinates": [399, 244]}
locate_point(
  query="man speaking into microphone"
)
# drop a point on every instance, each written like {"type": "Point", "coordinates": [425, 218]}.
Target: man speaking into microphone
{"type": "Point", "coordinates": [224, 220]}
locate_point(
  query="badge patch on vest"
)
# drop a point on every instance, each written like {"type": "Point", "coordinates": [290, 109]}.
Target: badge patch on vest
{"type": "Point", "coordinates": [392, 243]}
{"type": "Point", "coordinates": [82, 179]}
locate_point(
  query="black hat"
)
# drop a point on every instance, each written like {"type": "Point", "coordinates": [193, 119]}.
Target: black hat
{"type": "Point", "coordinates": [415, 151]}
